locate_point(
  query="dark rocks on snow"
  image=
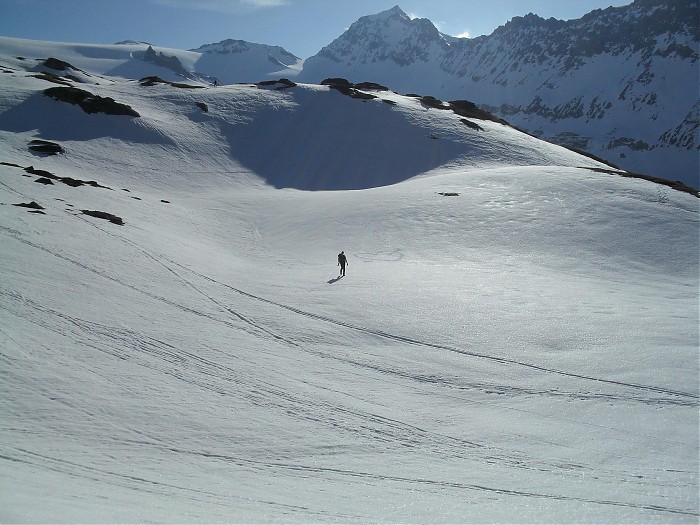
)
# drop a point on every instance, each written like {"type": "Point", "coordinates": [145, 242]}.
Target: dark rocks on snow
{"type": "Point", "coordinates": [44, 146]}
{"type": "Point", "coordinates": [50, 77]}
{"type": "Point", "coordinates": [41, 173]}
{"type": "Point", "coordinates": [465, 108]}
{"type": "Point", "coordinates": [58, 65]}
{"type": "Point", "coordinates": [202, 106]}
{"type": "Point", "coordinates": [44, 180]}
{"type": "Point", "coordinates": [70, 181]}
{"type": "Point", "coordinates": [104, 215]}
{"type": "Point", "coordinates": [371, 86]}
{"type": "Point", "coordinates": [32, 205]}
{"type": "Point", "coordinates": [347, 88]}
{"type": "Point", "coordinates": [88, 102]}
{"type": "Point", "coordinates": [282, 83]}
{"type": "Point", "coordinates": [674, 184]}
{"type": "Point", "coordinates": [470, 124]}
{"type": "Point", "coordinates": [155, 81]}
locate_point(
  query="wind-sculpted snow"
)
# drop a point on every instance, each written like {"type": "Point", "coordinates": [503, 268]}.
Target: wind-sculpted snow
{"type": "Point", "coordinates": [515, 339]}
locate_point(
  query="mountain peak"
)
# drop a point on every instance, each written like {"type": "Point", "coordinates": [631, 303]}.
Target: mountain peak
{"type": "Point", "coordinates": [394, 11]}
{"type": "Point", "coordinates": [387, 36]}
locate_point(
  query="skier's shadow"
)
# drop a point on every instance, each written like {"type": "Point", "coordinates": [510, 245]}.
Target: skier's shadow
{"type": "Point", "coordinates": [335, 280]}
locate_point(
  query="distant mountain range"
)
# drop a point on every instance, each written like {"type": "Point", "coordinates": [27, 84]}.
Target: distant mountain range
{"type": "Point", "coordinates": [620, 83]}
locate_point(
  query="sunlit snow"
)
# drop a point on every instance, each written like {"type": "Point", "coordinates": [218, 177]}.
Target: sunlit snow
{"type": "Point", "coordinates": [523, 348]}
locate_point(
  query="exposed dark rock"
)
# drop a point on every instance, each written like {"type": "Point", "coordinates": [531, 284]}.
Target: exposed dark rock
{"type": "Point", "coordinates": [169, 62]}
{"type": "Point", "coordinates": [352, 90]}
{"type": "Point", "coordinates": [336, 82]}
{"type": "Point", "coordinates": [33, 205]}
{"type": "Point", "coordinates": [675, 184]}
{"type": "Point", "coordinates": [282, 83]}
{"type": "Point", "coordinates": [104, 215]}
{"type": "Point", "coordinates": [470, 124]}
{"type": "Point", "coordinates": [44, 180]}
{"type": "Point", "coordinates": [448, 194]}
{"type": "Point", "coordinates": [634, 145]}
{"type": "Point", "coordinates": [465, 108]}
{"type": "Point", "coordinates": [58, 65]}
{"type": "Point", "coordinates": [154, 81]}
{"type": "Point", "coordinates": [88, 102]}
{"type": "Point", "coordinates": [163, 200]}
{"type": "Point", "coordinates": [44, 146]}
{"type": "Point", "coordinates": [373, 86]}
{"type": "Point", "coordinates": [70, 181]}
{"type": "Point", "coordinates": [434, 103]}
{"type": "Point", "coordinates": [202, 106]}
{"type": "Point", "coordinates": [41, 173]}
{"type": "Point", "coordinates": [50, 77]}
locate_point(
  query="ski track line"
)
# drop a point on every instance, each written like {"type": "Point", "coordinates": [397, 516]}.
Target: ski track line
{"type": "Point", "coordinates": [158, 261]}
{"type": "Point", "coordinates": [417, 342]}
{"type": "Point", "coordinates": [382, 428]}
{"type": "Point", "coordinates": [431, 482]}
{"type": "Point", "coordinates": [17, 236]}
{"type": "Point", "coordinates": [347, 325]}
{"type": "Point", "coordinates": [142, 484]}
{"type": "Point", "coordinates": [385, 429]}
{"type": "Point", "coordinates": [373, 332]}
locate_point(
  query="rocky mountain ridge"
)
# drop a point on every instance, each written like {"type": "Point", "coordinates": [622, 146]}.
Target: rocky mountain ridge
{"type": "Point", "coordinates": [620, 82]}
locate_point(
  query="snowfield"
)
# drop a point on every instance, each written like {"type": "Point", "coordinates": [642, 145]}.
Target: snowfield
{"type": "Point", "coordinates": [516, 339]}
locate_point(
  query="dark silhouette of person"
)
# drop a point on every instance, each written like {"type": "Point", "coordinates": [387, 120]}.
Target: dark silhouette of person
{"type": "Point", "coordinates": [342, 261]}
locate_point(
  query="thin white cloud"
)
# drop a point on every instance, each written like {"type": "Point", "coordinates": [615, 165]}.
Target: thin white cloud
{"type": "Point", "coordinates": [464, 34]}
{"type": "Point", "coordinates": [221, 6]}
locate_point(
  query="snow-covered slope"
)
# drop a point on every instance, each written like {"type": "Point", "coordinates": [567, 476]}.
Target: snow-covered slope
{"type": "Point", "coordinates": [229, 61]}
{"type": "Point", "coordinates": [516, 338]}
{"type": "Point", "coordinates": [234, 61]}
{"type": "Point", "coordinates": [621, 83]}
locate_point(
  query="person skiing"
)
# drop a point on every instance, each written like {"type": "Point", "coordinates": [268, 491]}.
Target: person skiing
{"type": "Point", "coordinates": [342, 261]}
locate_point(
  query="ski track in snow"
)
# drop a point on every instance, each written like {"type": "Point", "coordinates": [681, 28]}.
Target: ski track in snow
{"type": "Point", "coordinates": [191, 368]}
{"type": "Point", "coordinates": [677, 397]}
{"type": "Point", "coordinates": [194, 369]}
{"type": "Point", "coordinates": [261, 416]}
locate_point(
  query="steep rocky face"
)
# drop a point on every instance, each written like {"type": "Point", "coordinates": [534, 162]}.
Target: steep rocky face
{"type": "Point", "coordinates": [162, 60]}
{"type": "Point", "coordinates": [620, 83]}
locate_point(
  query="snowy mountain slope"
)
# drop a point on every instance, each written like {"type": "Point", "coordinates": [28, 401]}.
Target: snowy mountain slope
{"type": "Point", "coordinates": [232, 61]}
{"type": "Point", "coordinates": [525, 350]}
{"type": "Point", "coordinates": [229, 61]}
{"type": "Point", "coordinates": [620, 83]}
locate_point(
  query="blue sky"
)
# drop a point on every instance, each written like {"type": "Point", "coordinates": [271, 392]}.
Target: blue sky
{"type": "Point", "coordinates": [302, 27]}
